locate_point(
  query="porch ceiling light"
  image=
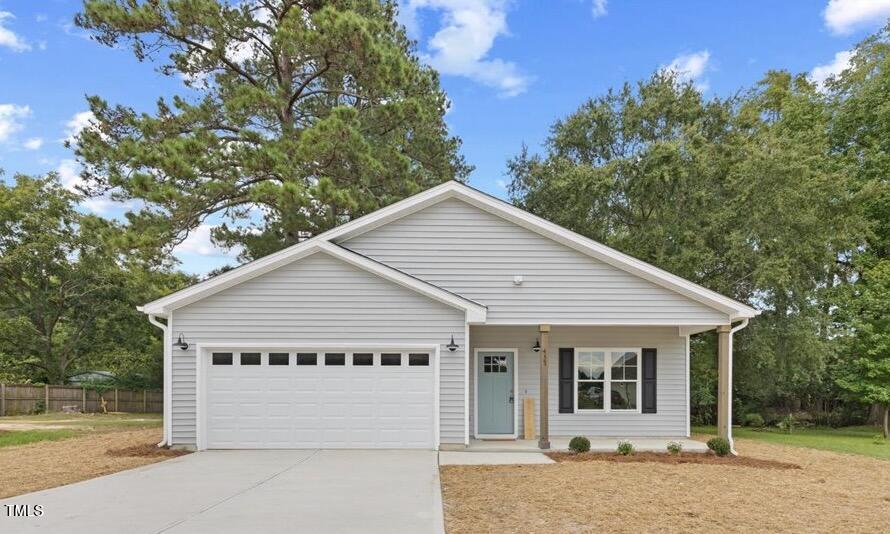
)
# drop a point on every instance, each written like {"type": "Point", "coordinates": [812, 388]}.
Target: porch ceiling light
{"type": "Point", "coordinates": [452, 346]}
{"type": "Point", "coordinates": [181, 343]}
{"type": "Point", "coordinates": [537, 347]}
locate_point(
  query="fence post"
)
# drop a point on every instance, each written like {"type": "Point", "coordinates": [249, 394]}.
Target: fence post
{"type": "Point", "coordinates": [2, 400]}
{"type": "Point", "coordinates": [115, 400]}
{"type": "Point", "coordinates": [83, 399]}
{"type": "Point", "coordinates": [46, 398]}
{"type": "Point", "coordinates": [144, 401]}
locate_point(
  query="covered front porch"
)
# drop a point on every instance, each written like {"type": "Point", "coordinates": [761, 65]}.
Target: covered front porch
{"type": "Point", "coordinates": [609, 383]}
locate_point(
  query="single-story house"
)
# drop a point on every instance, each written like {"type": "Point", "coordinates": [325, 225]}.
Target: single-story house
{"type": "Point", "coordinates": [427, 324]}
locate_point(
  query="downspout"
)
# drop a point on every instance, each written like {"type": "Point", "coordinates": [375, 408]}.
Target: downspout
{"type": "Point", "coordinates": [732, 331]}
{"type": "Point", "coordinates": [153, 320]}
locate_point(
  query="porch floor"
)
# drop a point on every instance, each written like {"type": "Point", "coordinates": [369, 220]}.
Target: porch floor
{"type": "Point", "coordinates": [596, 445]}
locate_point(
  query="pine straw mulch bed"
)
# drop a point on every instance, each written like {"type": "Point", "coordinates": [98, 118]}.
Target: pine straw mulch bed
{"type": "Point", "coordinates": [830, 492]}
{"type": "Point", "coordinates": [675, 459]}
{"type": "Point", "coordinates": [47, 464]}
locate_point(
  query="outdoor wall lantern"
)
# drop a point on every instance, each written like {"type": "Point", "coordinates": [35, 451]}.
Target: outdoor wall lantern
{"type": "Point", "coordinates": [537, 347]}
{"type": "Point", "coordinates": [181, 343]}
{"type": "Point", "coordinates": [452, 346]}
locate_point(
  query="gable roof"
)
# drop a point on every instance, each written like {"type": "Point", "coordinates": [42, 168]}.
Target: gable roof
{"type": "Point", "coordinates": [734, 309]}
{"type": "Point", "coordinates": [476, 313]}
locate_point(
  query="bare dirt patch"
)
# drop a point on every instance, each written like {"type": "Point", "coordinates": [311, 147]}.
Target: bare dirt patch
{"type": "Point", "coordinates": [830, 492]}
{"type": "Point", "coordinates": [674, 459]}
{"type": "Point", "coordinates": [43, 465]}
{"type": "Point", "coordinates": [146, 450]}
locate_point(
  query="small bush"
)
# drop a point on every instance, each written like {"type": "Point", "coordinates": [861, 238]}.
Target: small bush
{"type": "Point", "coordinates": [720, 446]}
{"type": "Point", "coordinates": [787, 423]}
{"type": "Point", "coordinates": [579, 444]}
{"type": "Point", "coordinates": [754, 420]}
{"type": "Point", "coordinates": [625, 448]}
{"type": "Point", "coordinates": [675, 447]}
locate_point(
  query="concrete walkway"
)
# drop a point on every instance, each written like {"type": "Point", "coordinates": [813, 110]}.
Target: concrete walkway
{"type": "Point", "coordinates": [492, 458]}
{"type": "Point", "coordinates": [248, 491]}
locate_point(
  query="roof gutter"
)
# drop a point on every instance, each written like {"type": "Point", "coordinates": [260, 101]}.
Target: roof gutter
{"type": "Point", "coordinates": [153, 320]}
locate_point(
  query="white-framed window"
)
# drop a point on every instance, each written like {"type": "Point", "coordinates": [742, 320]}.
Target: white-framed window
{"type": "Point", "coordinates": [607, 380]}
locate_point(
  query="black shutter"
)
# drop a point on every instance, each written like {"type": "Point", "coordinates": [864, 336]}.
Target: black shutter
{"type": "Point", "coordinates": [649, 388]}
{"type": "Point", "coordinates": [566, 384]}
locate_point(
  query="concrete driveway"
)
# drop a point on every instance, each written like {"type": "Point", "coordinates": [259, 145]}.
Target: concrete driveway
{"type": "Point", "coordinates": [248, 491]}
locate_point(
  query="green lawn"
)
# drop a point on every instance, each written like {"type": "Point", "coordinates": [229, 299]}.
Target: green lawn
{"type": "Point", "coordinates": [851, 439]}
{"type": "Point", "coordinates": [23, 437]}
{"type": "Point", "coordinates": [23, 429]}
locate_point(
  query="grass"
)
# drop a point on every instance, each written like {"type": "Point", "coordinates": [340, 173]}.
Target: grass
{"type": "Point", "coordinates": [55, 426]}
{"type": "Point", "coordinates": [852, 439]}
{"type": "Point", "coordinates": [23, 437]}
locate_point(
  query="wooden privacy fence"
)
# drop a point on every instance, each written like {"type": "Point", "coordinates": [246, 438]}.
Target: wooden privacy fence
{"type": "Point", "coordinates": [18, 399]}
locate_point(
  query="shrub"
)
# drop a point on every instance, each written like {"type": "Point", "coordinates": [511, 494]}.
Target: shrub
{"type": "Point", "coordinates": [675, 447]}
{"type": "Point", "coordinates": [579, 444]}
{"type": "Point", "coordinates": [625, 448]}
{"type": "Point", "coordinates": [720, 446]}
{"type": "Point", "coordinates": [787, 423]}
{"type": "Point", "coordinates": [753, 420]}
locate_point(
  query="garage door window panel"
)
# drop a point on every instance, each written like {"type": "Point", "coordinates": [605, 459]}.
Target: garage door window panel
{"type": "Point", "coordinates": [250, 358]}
{"type": "Point", "coordinates": [417, 359]}
{"type": "Point", "coordinates": [390, 359]}
{"type": "Point", "coordinates": [222, 358]}
{"type": "Point", "coordinates": [335, 358]}
{"type": "Point", "coordinates": [307, 358]}
{"type": "Point", "coordinates": [279, 358]}
{"type": "Point", "coordinates": [362, 359]}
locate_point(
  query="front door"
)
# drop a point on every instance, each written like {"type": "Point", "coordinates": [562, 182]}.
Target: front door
{"type": "Point", "coordinates": [495, 392]}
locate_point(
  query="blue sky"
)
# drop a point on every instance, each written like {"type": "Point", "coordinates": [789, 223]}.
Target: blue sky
{"type": "Point", "coordinates": [511, 68]}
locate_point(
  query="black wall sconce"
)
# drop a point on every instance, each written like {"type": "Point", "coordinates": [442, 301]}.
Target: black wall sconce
{"type": "Point", "coordinates": [181, 343]}
{"type": "Point", "coordinates": [537, 347]}
{"type": "Point", "coordinates": [452, 346]}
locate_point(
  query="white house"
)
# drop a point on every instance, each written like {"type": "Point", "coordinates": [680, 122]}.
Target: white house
{"type": "Point", "coordinates": [427, 324]}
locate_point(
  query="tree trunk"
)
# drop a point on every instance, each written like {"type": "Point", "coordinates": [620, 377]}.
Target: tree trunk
{"type": "Point", "coordinates": [886, 421]}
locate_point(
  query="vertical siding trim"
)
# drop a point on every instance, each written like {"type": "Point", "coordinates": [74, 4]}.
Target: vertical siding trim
{"type": "Point", "coordinates": [688, 392]}
{"type": "Point", "coordinates": [168, 380]}
{"type": "Point", "coordinates": [467, 383]}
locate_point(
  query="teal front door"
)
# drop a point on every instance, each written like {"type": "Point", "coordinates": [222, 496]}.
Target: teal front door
{"type": "Point", "coordinates": [495, 392]}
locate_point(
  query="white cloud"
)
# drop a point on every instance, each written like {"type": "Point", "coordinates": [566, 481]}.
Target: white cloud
{"type": "Point", "coordinates": [691, 67]}
{"type": "Point", "coordinates": [501, 184]}
{"type": "Point", "coordinates": [598, 9]}
{"type": "Point", "coordinates": [199, 243]}
{"type": "Point", "coordinates": [33, 143]}
{"type": "Point", "coordinates": [11, 117]}
{"type": "Point", "coordinates": [467, 33]}
{"type": "Point", "coordinates": [841, 61]}
{"type": "Point", "coordinates": [69, 175]}
{"type": "Point", "coordinates": [8, 38]}
{"type": "Point", "coordinates": [844, 16]}
{"type": "Point", "coordinates": [77, 123]}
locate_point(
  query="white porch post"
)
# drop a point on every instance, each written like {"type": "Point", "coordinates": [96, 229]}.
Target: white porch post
{"type": "Point", "coordinates": [724, 383]}
{"type": "Point", "coordinates": [544, 440]}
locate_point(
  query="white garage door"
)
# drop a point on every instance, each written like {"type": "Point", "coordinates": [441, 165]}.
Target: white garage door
{"type": "Point", "coordinates": [319, 399]}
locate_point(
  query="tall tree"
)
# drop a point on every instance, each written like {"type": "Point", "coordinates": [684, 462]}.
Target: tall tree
{"type": "Point", "coordinates": [67, 296]}
{"type": "Point", "coordinates": [865, 374]}
{"type": "Point", "coordinates": [299, 115]}
{"type": "Point", "coordinates": [740, 195]}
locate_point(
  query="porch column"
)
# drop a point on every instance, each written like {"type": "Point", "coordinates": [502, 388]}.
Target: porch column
{"type": "Point", "coordinates": [544, 440]}
{"type": "Point", "coordinates": [724, 383]}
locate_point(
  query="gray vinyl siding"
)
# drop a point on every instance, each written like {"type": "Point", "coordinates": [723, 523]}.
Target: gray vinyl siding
{"type": "Point", "coordinates": [324, 301]}
{"type": "Point", "coordinates": [669, 421]}
{"type": "Point", "coordinates": [471, 252]}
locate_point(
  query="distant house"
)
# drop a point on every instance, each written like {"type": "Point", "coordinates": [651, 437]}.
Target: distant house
{"type": "Point", "coordinates": [91, 377]}
{"type": "Point", "coordinates": [426, 324]}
